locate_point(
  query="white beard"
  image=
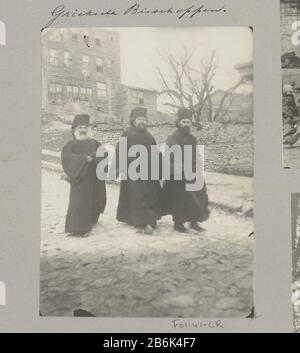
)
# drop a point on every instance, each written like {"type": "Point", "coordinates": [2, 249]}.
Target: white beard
{"type": "Point", "coordinates": [90, 134]}
{"type": "Point", "coordinates": [80, 137]}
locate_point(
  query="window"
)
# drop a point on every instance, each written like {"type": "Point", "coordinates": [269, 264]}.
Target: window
{"type": "Point", "coordinates": [67, 58]}
{"type": "Point", "coordinates": [85, 59]}
{"type": "Point", "coordinates": [137, 97]}
{"type": "Point", "coordinates": [53, 57]}
{"type": "Point", "coordinates": [52, 88]}
{"type": "Point", "coordinates": [99, 64]}
{"type": "Point", "coordinates": [74, 36]}
{"type": "Point", "coordinates": [101, 89]}
{"type": "Point", "coordinates": [55, 36]}
{"type": "Point", "coordinates": [72, 93]}
{"type": "Point", "coordinates": [98, 42]}
{"type": "Point", "coordinates": [83, 95]}
{"type": "Point", "coordinates": [85, 72]}
{"type": "Point", "coordinates": [55, 93]}
{"type": "Point", "coordinates": [85, 64]}
{"type": "Point", "coordinates": [89, 91]}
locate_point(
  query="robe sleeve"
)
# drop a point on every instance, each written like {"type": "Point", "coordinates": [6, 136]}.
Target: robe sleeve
{"type": "Point", "coordinates": [175, 164]}
{"type": "Point", "coordinates": [94, 154]}
{"type": "Point", "coordinates": [74, 165]}
{"type": "Point", "coordinates": [160, 159]}
{"type": "Point", "coordinates": [116, 158]}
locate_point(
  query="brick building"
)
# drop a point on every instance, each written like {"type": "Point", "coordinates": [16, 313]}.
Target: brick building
{"type": "Point", "coordinates": [246, 71]}
{"type": "Point", "coordinates": [81, 72]}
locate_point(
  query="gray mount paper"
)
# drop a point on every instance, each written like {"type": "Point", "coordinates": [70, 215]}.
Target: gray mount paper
{"type": "Point", "coordinates": [118, 270]}
{"type": "Point", "coordinates": [142, 187]}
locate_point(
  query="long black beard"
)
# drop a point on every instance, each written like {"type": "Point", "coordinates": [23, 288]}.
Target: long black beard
{"type": "Point", "coordinates": [184, 130]}
{"type": "Point", "coordinates": [141, 128]}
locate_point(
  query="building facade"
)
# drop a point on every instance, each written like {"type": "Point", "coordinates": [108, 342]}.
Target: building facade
{"type": "Point", "coordinates": [246, 71]}
{"type": "Point", "coordinates": [81, 72]}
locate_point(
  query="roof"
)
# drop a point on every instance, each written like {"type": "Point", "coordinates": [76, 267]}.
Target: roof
{"type": "Point", "coordinates": [244, 65]}
{"type": "Point", "coordinates": [140, 88]}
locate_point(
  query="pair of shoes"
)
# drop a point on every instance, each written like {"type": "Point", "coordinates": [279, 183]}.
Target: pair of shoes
{"type": "Point", "coordinates": [154, 225]}
{"type": "Point", "coordinates": [196, 227]}
{"type": "Point", "coordinates": [148, 229]}
{"type": "Point", "coordinates": [79, 235]}
{"type": "Point", "coordinates": [75, 235]}
{"type": "Point", "coordinates": [180, 228]}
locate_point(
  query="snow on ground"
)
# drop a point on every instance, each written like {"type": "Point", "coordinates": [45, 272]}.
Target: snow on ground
{"type": "Point", "coordinates": [119, 272]}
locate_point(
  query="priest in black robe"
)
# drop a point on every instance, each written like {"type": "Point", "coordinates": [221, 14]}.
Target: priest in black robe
{"type": "Point", "coordinates": [139, 200]}
{"type": "Point", "coordinates": [182, 204]}
{"type": "Point", "coordinates": [87, 193]}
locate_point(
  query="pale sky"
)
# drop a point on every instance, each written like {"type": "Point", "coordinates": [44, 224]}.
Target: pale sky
{"type": "Point", "coordinates": [141, 50]}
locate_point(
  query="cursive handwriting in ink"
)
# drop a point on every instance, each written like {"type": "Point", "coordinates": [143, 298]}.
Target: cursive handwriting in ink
{"type": "Point", "coordinates": [188, 12]}
{"type": "Point", "coordinates": [192, 11]}
{"type": "Point", "coordinates": [137, 10]}
{"type": "Point", "coordinates": [60, 11]}
{"type": "Point", "coordinates": [181, 13]}
{"type": "Point", "coordinates": [179, 324]}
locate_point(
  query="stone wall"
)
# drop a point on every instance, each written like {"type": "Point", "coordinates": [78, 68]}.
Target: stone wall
{"type": "Point", "coordinates": [228, 147]}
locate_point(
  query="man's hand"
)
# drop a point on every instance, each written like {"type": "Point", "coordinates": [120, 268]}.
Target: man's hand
{"type": "Point", "coordinates": [89, 159]}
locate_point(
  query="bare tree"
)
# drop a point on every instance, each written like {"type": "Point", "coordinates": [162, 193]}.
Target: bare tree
{"type": "Point", "coordinates": [219, 112]}
{"type": "Point", "coordinates": [192, 88]}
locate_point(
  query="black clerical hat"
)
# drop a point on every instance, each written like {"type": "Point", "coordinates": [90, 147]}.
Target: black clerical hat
{"type": "Point", "coordinates": [183, 113]}
{"type": "Point", "coordinates": [138, 112]}
{"type": "Point", "coordinates": [81, 119]}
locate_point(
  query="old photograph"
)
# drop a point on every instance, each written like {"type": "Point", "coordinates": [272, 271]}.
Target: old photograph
{"type": "Point", "coordinates": [295, 211]}
{"type": "Point", "coordinates": [147, 171]}
{"type": "Point", "coordinates": [290, 66]}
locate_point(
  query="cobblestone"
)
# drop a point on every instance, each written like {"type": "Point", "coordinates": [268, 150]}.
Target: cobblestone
{"type": "Point", "coordinates": [119, 272]}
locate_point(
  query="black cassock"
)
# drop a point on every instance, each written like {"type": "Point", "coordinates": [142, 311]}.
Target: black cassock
{"type": "Point", "coordinates": [139, 200]}
{"type": "Point", "coordinates": [184, 206]}
{"type": "Point", "coordinates": [87, 192]}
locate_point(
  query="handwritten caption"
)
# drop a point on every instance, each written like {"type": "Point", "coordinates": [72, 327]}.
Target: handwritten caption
{"type": "Point", "coordinates": [186, 13]}
{"type": "Point", "coordinates": [179, 324]}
